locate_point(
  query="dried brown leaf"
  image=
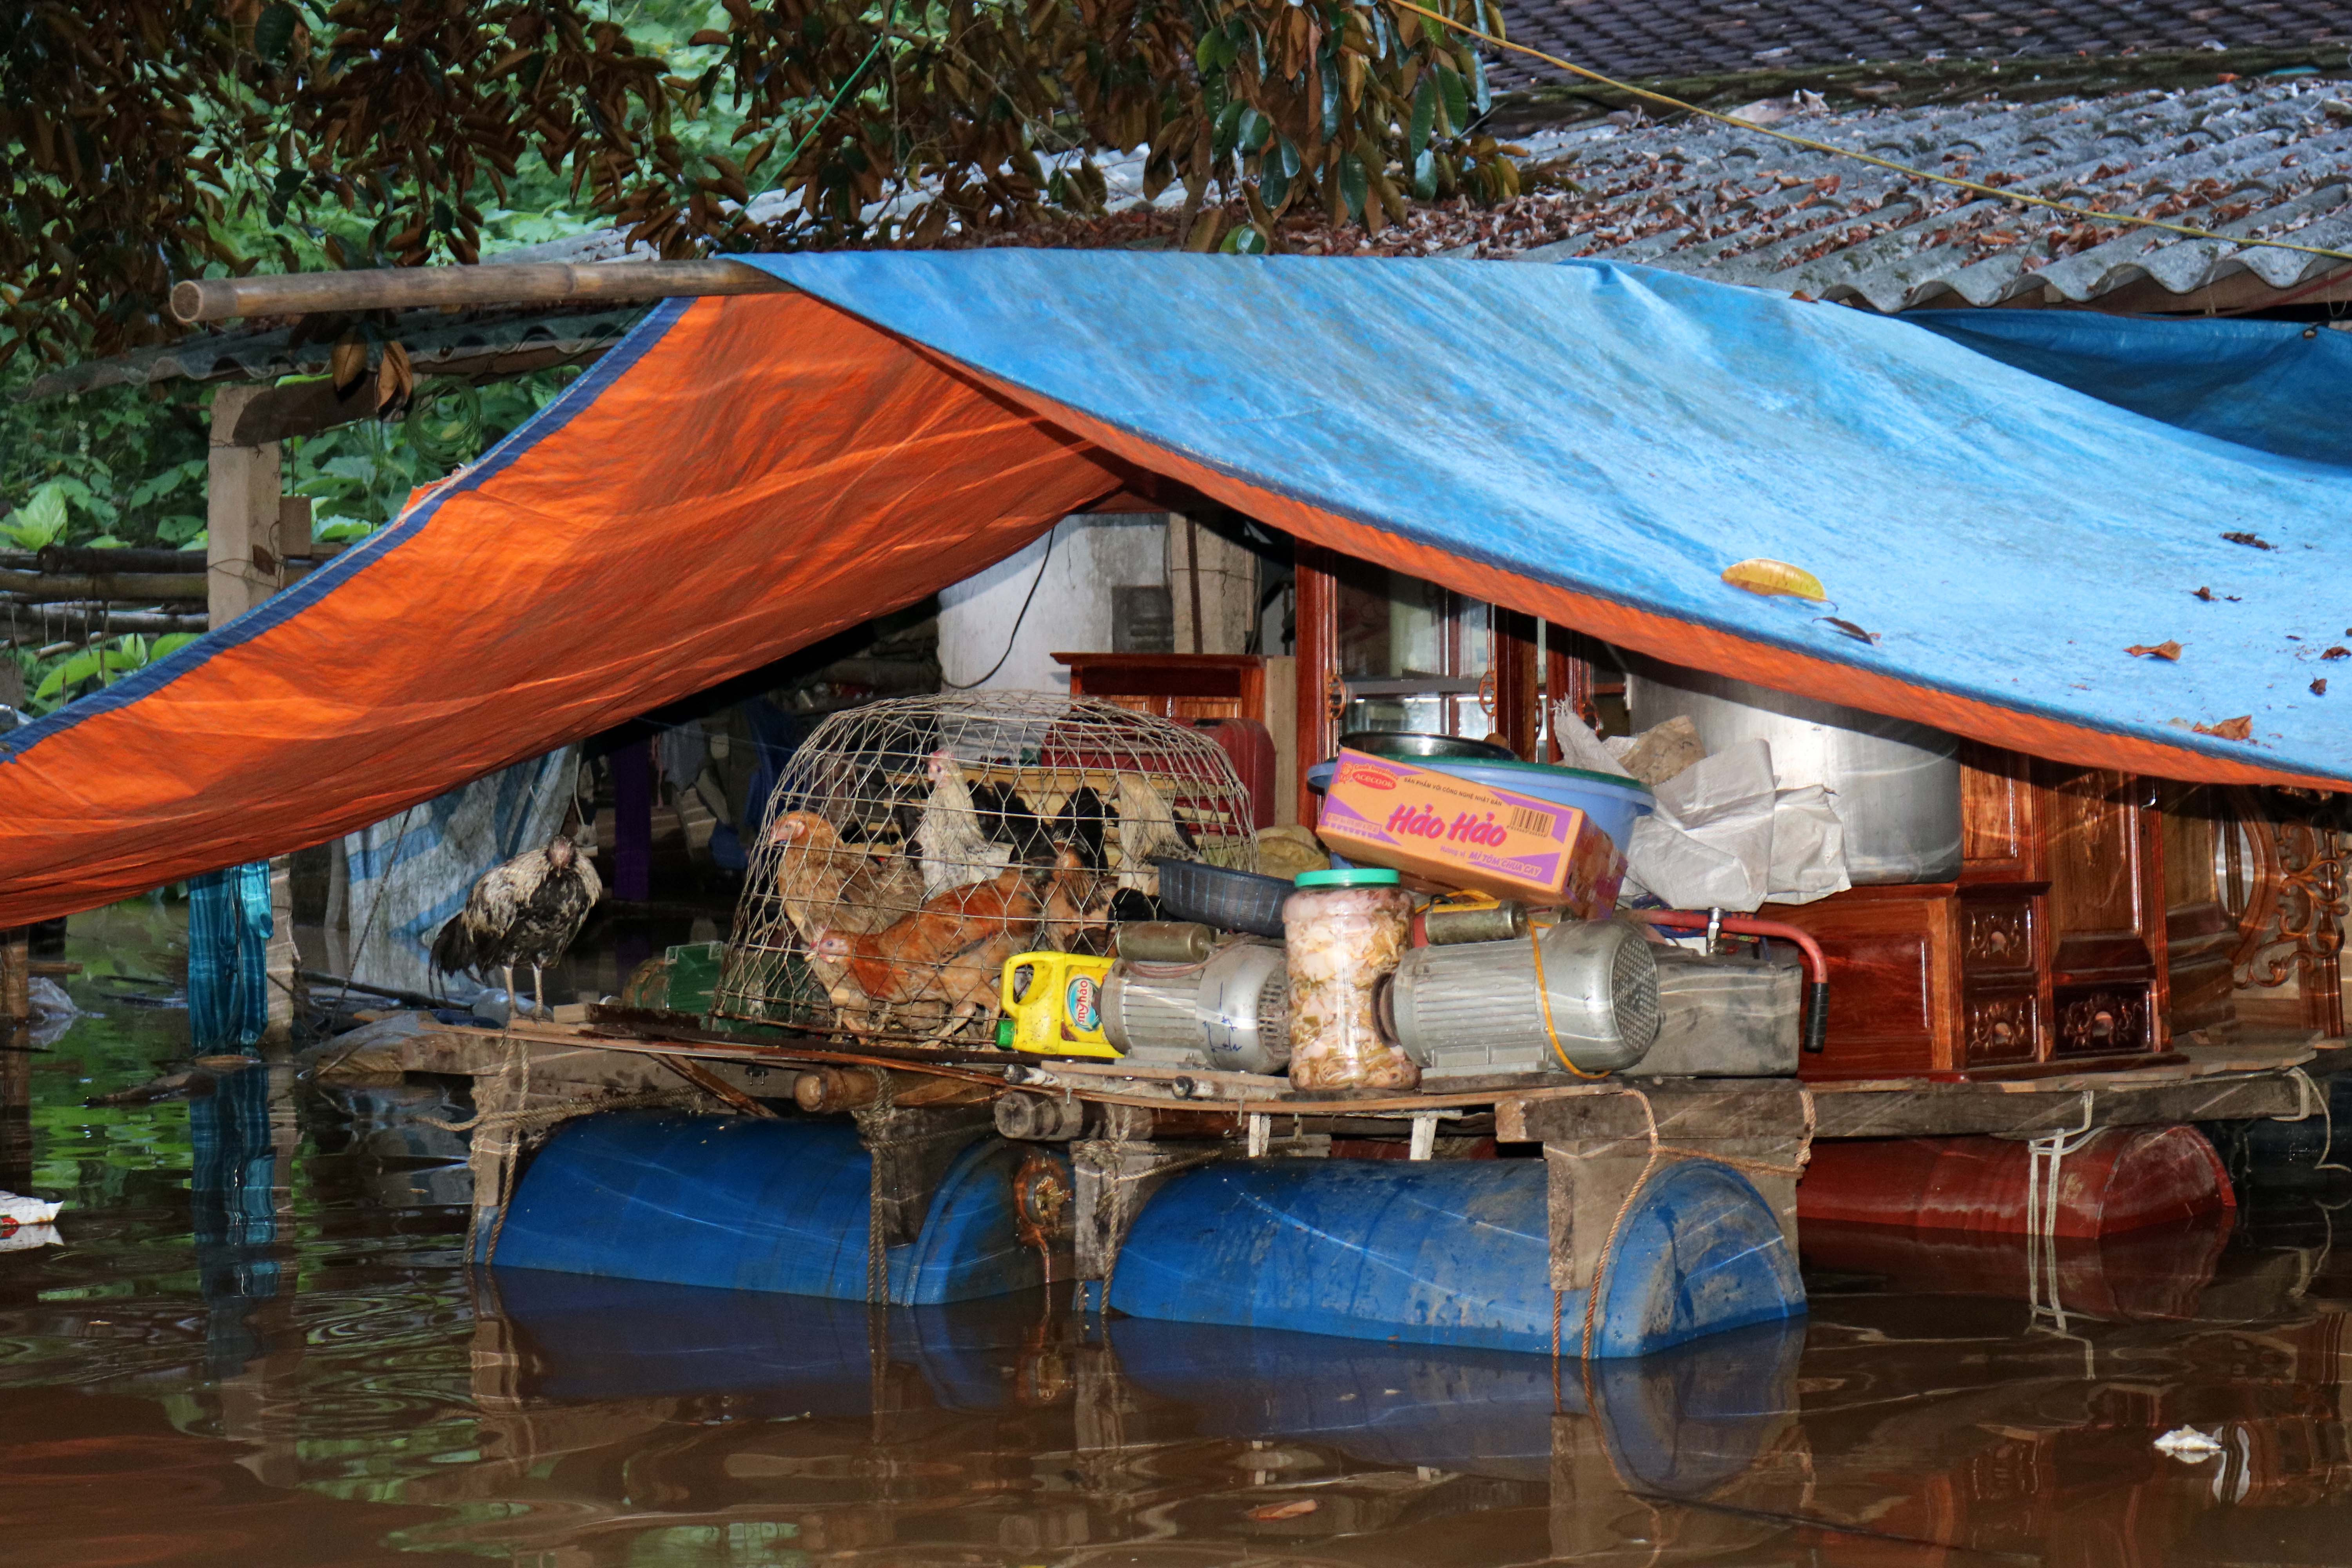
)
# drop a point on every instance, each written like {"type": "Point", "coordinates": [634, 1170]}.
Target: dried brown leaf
{"type": "Point", "coordinates": [2242, 728]}
{"type": "Point", "coordinates": [2319, 687]}
{"type": "Point", "coordinates": [1296, 1508]}
{"type": "Point", "coordinates": [2166, 650]}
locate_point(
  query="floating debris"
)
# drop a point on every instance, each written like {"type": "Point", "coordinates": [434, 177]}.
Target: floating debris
{"type": "Point", "coordinates": [2168, 650]}
{"type": "Point", "coordinates": [2187, 1445]}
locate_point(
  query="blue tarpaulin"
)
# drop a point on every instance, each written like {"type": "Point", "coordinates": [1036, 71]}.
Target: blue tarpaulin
{"type": "Point", "coordinates": [1591, 443]}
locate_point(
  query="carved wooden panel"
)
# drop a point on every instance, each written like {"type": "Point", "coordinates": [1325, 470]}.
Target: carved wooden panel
{"type": "Point", "coordinates": [1997, 935]}
{"type": "Point", "coordinates": [2000, 1029]}
{"type": "Point", "coordinates": [2101, 1020]}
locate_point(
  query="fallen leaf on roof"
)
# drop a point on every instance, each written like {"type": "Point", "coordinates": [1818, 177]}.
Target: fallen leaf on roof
{"type": "Point", "coordinates": [1762, 575]}
{"type": "Point", "coordinates": [2339, 651]}
{"type": "Point", "coordinates": [1850, 629]}
{"type": "Point", "coordinates": [2168, 650]}
{"type": "Point", "coordinates": [2204, 593]}
{"type": "Point", "coordinates": [1296, 1508]}
{"type": "Point", "coordinates": [2319, 687]}
{"type": "Point", "coordinates": [2251, 541]}
{"type": "Point", "coordinates": [2242, 728]}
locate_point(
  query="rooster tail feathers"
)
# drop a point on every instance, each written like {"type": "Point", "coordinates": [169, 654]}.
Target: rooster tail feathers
{"type": "Point", "coordinates": [453, 949]}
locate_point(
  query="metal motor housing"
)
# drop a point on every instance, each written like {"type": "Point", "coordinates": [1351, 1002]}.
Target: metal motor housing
{"type": "Point", "coordinates": [1231, 1014]}
{"type": "Point", "coordinates": [1474, 1007]}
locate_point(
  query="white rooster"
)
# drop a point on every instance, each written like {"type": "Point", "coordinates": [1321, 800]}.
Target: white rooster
{"type": "Point", "coordinates": [955, 850]}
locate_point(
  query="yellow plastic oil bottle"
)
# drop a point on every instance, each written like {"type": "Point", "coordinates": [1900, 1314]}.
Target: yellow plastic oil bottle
{"type": "Point", "coordinates": [1053, 1002]}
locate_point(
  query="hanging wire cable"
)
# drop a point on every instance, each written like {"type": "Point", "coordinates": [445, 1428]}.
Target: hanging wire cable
{"type": "Point", "coordinates": [1014, 636]}
{"type": "Point", "coordinates": [2092, 214]}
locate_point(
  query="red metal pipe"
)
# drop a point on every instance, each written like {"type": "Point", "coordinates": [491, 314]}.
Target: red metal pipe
{"type": "Point", "coordinates": [1817, 966]}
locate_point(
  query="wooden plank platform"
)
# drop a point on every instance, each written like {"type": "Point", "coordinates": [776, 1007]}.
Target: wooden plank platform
{"type": "Point", "coordinates": [2206, 1085]}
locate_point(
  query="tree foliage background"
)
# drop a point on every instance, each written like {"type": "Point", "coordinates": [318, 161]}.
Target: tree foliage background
{"type": "Point", "coordinates": [148, 141]}
{"type": "Point", "coordinates": [143, 142]}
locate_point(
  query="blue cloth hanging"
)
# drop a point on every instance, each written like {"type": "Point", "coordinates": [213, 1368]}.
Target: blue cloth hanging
{"type": "Point", "coordinates": [229, 928]}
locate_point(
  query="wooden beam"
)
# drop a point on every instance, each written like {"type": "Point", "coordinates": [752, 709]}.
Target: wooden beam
{"type": "Point", "coordinates": [414, 287]}
{"type": "Point", "coordinates": [122, 587]}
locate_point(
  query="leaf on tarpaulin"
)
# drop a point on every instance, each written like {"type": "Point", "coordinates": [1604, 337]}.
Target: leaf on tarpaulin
{"type": "Point", "coordinates": [2204, 593]}
{"type": "Point", "coordinates": [1762, 576]}
{"type": "Point", "coordinates": [1296, 1508]}
{"type": "Point", "coordinates": [2242, 728]}
{"type": "Point", "coordinates": [2166, 650]}
{"type": "Point", "coordinates": [2251, 540]}
{"type": "Point", "coordinates": [1850, 629]}
{"type": "Point", "coordinates": [2337, 651]}
{"type": "Point", "coordinates": [2319, 687]}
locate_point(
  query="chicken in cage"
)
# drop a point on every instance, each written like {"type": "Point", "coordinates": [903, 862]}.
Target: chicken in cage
{"type": "Point", "coordinates": [913, 845]}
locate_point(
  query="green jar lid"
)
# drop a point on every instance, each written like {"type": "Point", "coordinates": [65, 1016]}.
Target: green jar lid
{"type": "Point", "coordinates": [1351, 877]}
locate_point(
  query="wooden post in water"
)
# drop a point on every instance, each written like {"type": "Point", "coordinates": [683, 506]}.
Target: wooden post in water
{"type": "Point", "coordinates": [16, 978]}
{"type": "Point", "coordinates": [248, 525]}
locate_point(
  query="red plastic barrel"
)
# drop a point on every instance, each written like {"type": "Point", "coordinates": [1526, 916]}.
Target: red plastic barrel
{"type": "Point", "coordinates": [2119, 1179]}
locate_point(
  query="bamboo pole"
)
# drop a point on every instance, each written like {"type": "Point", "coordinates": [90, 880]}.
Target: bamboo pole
{"type": "Point", "coordinates": [122, 587]}
{"type": "Point", "coordinates": [414, 287]}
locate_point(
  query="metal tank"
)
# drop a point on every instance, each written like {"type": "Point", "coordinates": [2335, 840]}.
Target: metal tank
{"type": "Point", "coordinates": [1895, 786]}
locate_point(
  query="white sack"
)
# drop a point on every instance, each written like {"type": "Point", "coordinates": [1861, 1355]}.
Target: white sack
{"type": "Point", "coordinates": [1808, 847]}
{"type": "Point", "coordinates": [1709, 845]}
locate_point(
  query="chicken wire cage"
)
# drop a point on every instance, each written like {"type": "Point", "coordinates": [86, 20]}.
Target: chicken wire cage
{"type": "Point", "coordinates": [914, 844]}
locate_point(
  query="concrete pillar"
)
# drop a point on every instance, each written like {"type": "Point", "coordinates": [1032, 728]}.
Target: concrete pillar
{"type": "Point", "coordinates": [1213, 584]}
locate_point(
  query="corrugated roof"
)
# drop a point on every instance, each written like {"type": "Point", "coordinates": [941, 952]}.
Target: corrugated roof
{"type": "Point", "coordinates": [472, 342]}
{"type": "Point", "coordinates": [1731, 204]}
{"type": "Point", "coordinates": [1684, 37]}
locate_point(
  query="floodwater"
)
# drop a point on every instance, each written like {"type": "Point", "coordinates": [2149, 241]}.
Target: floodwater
{"type": "Point", "coordinates": [258, 1343]}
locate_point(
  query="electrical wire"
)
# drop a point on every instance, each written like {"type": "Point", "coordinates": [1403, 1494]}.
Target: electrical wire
{"type": "Point", "coordinates": [1015, 636]}
{"type": "Point", "coordinates": [2092, 214]}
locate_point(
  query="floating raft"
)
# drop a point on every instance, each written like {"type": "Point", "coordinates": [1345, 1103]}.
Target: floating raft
{"type": "Point", "coordinates": [1663, 1211]}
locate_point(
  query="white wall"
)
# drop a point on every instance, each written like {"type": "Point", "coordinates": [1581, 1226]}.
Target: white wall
{"type": "Point", "coordinates": [1071, 612]}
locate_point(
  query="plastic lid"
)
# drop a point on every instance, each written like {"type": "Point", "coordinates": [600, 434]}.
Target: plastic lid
{"type": "Point", "coordinates": [1351, 877]}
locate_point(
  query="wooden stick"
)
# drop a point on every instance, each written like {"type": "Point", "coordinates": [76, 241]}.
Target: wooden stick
{"type": "Point", "coordinates": [411, 287]}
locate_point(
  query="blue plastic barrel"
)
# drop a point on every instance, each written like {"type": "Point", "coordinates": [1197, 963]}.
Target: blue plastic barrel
{"type": "Point", "coordinates": [1682, 1422]}
{"type": "Point", "coordinates": [745, 1205]}
{"type": "Point", "coordinates": [593, 1339]}
{"type": "Point", "coordinates": [1450, 1252]}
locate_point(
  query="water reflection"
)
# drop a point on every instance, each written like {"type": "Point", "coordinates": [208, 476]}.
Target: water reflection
{"type": "Point", "coordinates": [258, 1341]}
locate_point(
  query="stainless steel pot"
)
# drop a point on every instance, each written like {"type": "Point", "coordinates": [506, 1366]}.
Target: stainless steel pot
{"type": "Point", "coordinates": [1895, 786]}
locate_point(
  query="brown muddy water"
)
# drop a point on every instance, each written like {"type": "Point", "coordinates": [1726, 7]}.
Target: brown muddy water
{"type": "Point", "coordinates": [258, 1343]}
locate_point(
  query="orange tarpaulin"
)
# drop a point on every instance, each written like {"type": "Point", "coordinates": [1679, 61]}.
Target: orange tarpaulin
{"type": "Point", "coordinates": [740, 478]}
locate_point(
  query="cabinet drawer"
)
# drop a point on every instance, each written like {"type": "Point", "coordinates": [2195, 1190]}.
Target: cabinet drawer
{"type": "Point", "coordinates": [2100, 1020]}
{"type": "Point", "coordinates": [2000, 1027]}
{"type": "Point", "coordinates": [1998, 934]}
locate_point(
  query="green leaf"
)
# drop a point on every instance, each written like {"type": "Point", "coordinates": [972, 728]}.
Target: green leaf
{"type": "Point", "coordinates": [1424, 174]}
{"type": "Point", "coordinates": [1353, 184]}
{"type": "Point", "coordinates": [1254, 129]}
{"type": "Point", "coordinates": [1458, 99]}
{"type": "Point", "coordinates": [1273, 186]}
{"type": "Point", "coordinates": [169, 643]}
{"type": "Point", "coordinates": [1228, 126]}
{"type": "Point", "coordinates": [1482, 95]}
{"type": "Point", "coordinates": [273, 31]}
{"type": "Point", "coordinates": [1424, 117]}
{"type": "Point", "coordinates": [41, 522]}
{"type": "Point", "coordinates": [1244, 240]}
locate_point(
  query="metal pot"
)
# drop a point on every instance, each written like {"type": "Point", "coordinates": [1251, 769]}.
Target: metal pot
{"type": "Point", "coordinates": [1412, 744]}
{"type": "Point", "coordinates": [1895, 786]}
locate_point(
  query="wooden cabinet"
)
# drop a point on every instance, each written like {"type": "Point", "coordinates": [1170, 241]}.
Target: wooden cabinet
{"type": "Point", "coordinates": [1193, 687]}
{"type": "Point", "coordinates": [2050, 948]}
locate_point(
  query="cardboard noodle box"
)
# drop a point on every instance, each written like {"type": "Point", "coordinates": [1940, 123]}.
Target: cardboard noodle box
{"type": "Point", "coordinates": [1383, 812]}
